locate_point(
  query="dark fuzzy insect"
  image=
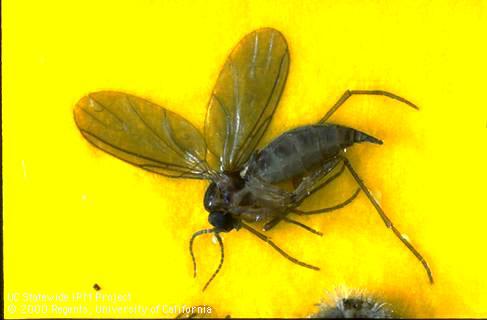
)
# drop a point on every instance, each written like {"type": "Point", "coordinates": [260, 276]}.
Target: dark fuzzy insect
{"type": "Point", "coordinates": [354, 305]}
{"type": "Point", "coordinates": [245, 182]}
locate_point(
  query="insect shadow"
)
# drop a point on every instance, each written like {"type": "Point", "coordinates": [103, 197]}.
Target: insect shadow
{"type": "Point", "coordinates": [246, 183]}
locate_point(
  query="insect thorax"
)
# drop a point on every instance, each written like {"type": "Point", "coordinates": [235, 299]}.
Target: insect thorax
{"type": "Point", "coordinates": [219, 200]}
{"type": "Point", "coordinates": [219, 194]}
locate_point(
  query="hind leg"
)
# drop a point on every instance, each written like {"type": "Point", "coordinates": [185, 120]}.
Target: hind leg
{"type": "Point", "coordinates": [350, 93]}
{"type": "Point", "coordinates": [314, 183]}
{"type": "Point", "coordinates": [328, 209]}
{"type": "Point", "coordinates": [386, 219]}
{"type": "Point", "coordinates": [306, 187]}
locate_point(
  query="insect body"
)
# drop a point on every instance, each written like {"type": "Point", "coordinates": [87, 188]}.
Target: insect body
{"type": "Point", "coordinates": [251, 195]}
{"type": "Point", "coordinates": [303, 150]}
{"type": "Point", "coordinates": [245, 182]}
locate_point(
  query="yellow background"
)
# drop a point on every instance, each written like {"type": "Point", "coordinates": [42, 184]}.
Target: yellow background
{"type": "Point", "coordinates": [74, 216]}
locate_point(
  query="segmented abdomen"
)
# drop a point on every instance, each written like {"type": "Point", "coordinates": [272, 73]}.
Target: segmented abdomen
{"type": "Point", "coordinates": [303, 149]}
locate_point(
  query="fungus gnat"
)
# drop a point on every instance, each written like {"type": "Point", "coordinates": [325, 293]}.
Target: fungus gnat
{"type": "Point", "coordinates": [245, 183]}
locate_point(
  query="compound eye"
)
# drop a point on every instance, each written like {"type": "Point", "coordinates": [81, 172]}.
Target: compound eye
{"type": "Point", "coordinates": [220, 220]}
{"type": "Point", "coordinates": [212, 196]}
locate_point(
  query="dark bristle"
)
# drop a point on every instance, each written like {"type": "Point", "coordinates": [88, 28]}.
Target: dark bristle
{"type": "Point", "coordinates": [354, 305]}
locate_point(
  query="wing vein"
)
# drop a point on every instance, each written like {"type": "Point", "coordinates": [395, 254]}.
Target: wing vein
{"type": "Point", "coordinates": [153, 131]}
{"type": "Point", "coordinates": [269, 52]}
{"type": "Point", "coordinates": [135, 154]}
{"type": "Point", "coordinates": [238, 105]}
{"type": "Point", "coordinates": [247, 140]}
{"type": "Point", "coordinates": [107, 110]}
{"type": "Point", "coordinates": [95, 118]}
{"type": "Point", "coordinates": [254, 56]}
{"type": "Point", "coordinates": [227, 125]}
{"type": "Point", "coordinates": [169, 130]}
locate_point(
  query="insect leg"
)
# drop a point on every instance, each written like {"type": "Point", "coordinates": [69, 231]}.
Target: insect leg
{"type": "Point", "coordinates": [333, 208]}
{"type": "Point", "coordinates": [386, 220]}
{"type": "Point", "coordinates": [303, 193]}
{"type": "Point", "coordinates": [302, 225]}
{"type": "Point", "coordinates": [272, 244]}
{"type": "Point", "coordinates": [271, 224]}
{"type": "Point", "coordinates": [350, 93]}
{"type": "Point", "coordinates": [308, 187]}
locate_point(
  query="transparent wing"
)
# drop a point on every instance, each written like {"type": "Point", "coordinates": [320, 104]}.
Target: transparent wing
{"type": "Point", "coordinates": [245, 97]}
{"type": "Point", "coordinates": [143, 134]}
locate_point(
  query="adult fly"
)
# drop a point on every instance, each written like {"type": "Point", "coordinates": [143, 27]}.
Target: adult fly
{"type": "Point", "coordinates": [246, 184]}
